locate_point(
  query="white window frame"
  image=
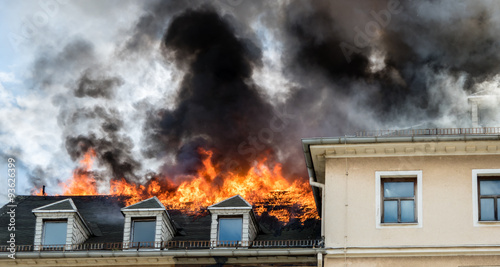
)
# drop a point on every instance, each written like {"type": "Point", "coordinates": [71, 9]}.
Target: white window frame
{"type": "Point", "coordinates": [379, 175]}
{"type": "Point", "coordinates": [475, 196]}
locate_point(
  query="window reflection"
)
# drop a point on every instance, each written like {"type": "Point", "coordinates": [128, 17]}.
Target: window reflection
{"type": "Point", "coordinates": [144, 231]}
{"type": "Point", "coordinates": [489, 198]}
{"type": "Point", "coordinates": [399, 200]}
{"type": "Point", "coordinates": [230, 229]}
{"type": "Point", "coordinates": [54, 232]}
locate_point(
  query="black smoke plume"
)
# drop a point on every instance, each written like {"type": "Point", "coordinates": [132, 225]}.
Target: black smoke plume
{"type": "Point", "coordinates": [218, 107]}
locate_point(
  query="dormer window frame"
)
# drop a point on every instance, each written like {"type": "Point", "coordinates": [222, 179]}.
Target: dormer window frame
{"type": "Point", "coordinates": [225, 209]}
{"type": "Point", "coordinates": [164, 228]}
{"type": "Point", "coordinates": [77, 230]}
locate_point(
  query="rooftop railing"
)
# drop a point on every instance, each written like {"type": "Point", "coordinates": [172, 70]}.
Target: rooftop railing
{"type": "Point", "coordinates": [435, 131]}
{"type": "Point", "coordinates": [174, 245]}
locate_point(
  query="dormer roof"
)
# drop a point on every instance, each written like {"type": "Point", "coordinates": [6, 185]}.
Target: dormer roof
{"type": "Point", "coordinates": [233, 202]}
{"type": "Point", "coordinates": [65, 205]}
{"type": "Point", "coordinates": [148, 204]}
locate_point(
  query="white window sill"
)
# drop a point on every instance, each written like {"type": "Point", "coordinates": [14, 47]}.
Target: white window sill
{"type": "Point", "coordinates": [487, 223]}
{"type": "Point", "coordinates": [399, 225]}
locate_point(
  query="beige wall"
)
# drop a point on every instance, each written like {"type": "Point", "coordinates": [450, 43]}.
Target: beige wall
{"type": "Point", "coordinates": [441, 261]}
{"type": "Point", "coordinates": [447, 202]}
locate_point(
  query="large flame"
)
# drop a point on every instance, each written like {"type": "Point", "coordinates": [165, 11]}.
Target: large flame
{"type": "Point", "coordinates": [263, 186]}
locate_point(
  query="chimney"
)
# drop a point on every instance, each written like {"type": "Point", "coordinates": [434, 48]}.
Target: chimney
{"type": "Point", "coordinates": [474, 111]}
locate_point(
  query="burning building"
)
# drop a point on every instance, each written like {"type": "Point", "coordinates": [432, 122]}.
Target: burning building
{"type": "Point", "coordinates": [414, 197]}
{"type": "Point", "coordinates": [186, 117]}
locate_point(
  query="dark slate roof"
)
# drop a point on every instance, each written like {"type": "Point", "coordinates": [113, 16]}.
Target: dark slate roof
{"type": "Point", "coordinates": [151, 203]}
{"type": "Point", "coordinates": [63, 205]}
{"type": "Point", "coordinates": [103, 216]}
{"type": "Point", "coordinates": [235, 201]}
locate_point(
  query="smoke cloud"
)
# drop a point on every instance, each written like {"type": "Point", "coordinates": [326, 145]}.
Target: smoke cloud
{"type": "Point", "coordinates": [242, 79]}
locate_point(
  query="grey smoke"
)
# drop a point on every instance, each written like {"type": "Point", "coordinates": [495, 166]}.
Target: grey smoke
{"type": "Point", "coordinates": [184, 75]}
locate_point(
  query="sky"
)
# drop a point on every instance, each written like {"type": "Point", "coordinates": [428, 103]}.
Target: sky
{"type": "Point", "coordinates": [146, 84]}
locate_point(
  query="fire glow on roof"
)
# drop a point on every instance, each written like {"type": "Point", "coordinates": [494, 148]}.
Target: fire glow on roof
{"type": "Point", "coordinates": [263, 186]}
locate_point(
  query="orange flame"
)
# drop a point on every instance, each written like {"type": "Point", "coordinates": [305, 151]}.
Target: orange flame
{"type": "Point", "coordinates": [83, 182]}
{"type": "Point", "coordinates": [264, 187]}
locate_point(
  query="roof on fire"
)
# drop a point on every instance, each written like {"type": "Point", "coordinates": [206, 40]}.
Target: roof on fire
{"type": "Point", "coordinates": [103, 216]}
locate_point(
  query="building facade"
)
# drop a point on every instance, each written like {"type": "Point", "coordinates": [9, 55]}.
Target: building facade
{"type": "Point", "coordinates": [418, 199]}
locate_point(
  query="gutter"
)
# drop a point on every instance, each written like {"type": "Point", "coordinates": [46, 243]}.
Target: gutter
{"type": "Point", "coordinates": [172, 253]}
{"type": "Point", "coordinates": [395, 139]}
{"type": "Point", "coordinates": [322, 187]}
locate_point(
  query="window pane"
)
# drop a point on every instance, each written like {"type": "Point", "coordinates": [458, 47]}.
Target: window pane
{"type": "Point", "coordinates": [398, 189]}
{"type": "Point", "coordinates": [144, 231]}
{"type": "Point", "coordinates": [230, 229]}
{"type": "Point", "coordinates": [498, 207]}
{"type": "Point", "coordinates": [390, 211]}
{"type": "Point", "coordinates": [54, 233]}
{"type": "Point", "coordinates": [487, 209]}
{"type": "Point", "coordinates": [407, 211]}
{"type": "Point", "coordinates": [490, 187]}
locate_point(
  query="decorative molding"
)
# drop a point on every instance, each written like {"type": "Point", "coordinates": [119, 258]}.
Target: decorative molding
{"type": "Point", "coordinates": [407, 149]}
{"type": "Point", "coordinates": [157, 261]}
{"type": "Point", "coordinates": [106, 261]}
{"type": "Point", "coordinates": [361, 252]}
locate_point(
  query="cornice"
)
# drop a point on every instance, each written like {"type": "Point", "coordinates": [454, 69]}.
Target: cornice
{"type": "Point", "coordinates": [361, 252]}
{"type": "Point", "coordinates": [463, 148]}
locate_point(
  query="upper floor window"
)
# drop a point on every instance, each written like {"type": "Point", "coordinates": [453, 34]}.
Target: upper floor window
{"type": "Point", "coordinates": [54, 232]}
{"type": "Point", "coordinates": [398, 199]}
{"type": "Point", "coordinates": [230, 229]}
{"type": "Point", "coordinates": [489, 198]}
{"type": "Point", "coordinates": [486, 197]}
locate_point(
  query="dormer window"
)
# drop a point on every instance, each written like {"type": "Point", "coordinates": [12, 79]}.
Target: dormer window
{"type": "Point", "coordinates": [59, 226]}
{"type": "Point", "coordinates": [147, 225]}
{"type": "Point", "coordinates": [54, 232]}
{"type": "Point", "coordinates": [233, 223]}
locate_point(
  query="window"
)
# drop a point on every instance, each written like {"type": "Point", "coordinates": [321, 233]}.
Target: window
{"type": "Point", "coordinates": [398, 199]}
{"type": "Point", "coordinates": [489, 198]}
{"type": "Point", "coordinates": [230, 229]}
{"type": "Point", "coordinates": [54, 232]}
{"type": "Point", "coordinates": [143, 232]}
{"type": "Point", "coordinates": [486, 197]}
